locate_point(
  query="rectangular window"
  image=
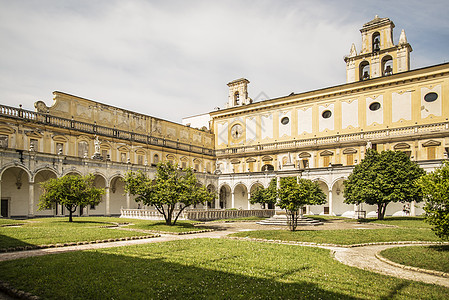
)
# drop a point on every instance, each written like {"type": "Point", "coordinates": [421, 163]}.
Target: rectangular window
{"type": "Point", "coordinates": [140, 159]}
{"type": "Point", "coordinates": [431, 152]}
{"type": "Point", "coordinates": [251, 166]}
{"type": "Point", "coordinates": [184, 165]}
{"type": "Point", "coordinates": [59, 148]}
{"type": "Point", "coordinates": [83, 149]}
{"type": "Point", "coordinates": [197, 168]}
{"type": "Point", "coordinates": [104, 154]}
{"type": "Point", "coordinates": [123, 157]}
{"type": "Point", "coordinates": [34, 144]}
{"type": "Point", "coordinates": [305, 163]}
{"type": "Point", "coordinates": [4, 141]}
{"type": "Point", "coordinates": [326, 161]}
{"type": "Point", "coordinates": [349, 159]}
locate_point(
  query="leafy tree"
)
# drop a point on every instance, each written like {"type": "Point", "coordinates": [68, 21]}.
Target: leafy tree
{"type": "Point", "coordinates": [170, 188]}
{"type": "Point", "coordinates": [381, 178]}
{"type": "Point", "coordinates": [291, 196]}
{"type": "Point", "coordinates": [435, 187]}
{"type": "Point", "coordinates": [294, 194]}
{"type": "Point", "coordinates": [265, 196]}
{"type": "Point", "coordinates": [71, 191]}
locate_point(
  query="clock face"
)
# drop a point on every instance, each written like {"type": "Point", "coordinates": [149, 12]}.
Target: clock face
{"type": "Point", "coordinates": [236, 131]}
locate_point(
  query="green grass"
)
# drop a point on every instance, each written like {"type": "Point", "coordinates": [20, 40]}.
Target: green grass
{"type": "Point", "coordinates": [59, 230]}
{"type": "Point", "coordinates": [180, 226]}
{"type": "Point", "coordinates": [344, 237]}
{"type": "Point", "coordinates": [409, 222]}
{"type": "Point", "coordinates": [425, 257]}
{"type": "Point", "coordinates": [253, 218]}
{"type": "Point", "coordinates": [205, 269]}
{"type": "Point", "coordinates": [4, 222]}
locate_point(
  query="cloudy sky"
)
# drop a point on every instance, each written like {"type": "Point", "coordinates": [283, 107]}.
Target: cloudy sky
{"type": "Point", "coordinates": [172, 59]}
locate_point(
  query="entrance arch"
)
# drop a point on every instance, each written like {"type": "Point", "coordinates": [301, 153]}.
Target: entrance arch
{"type": "Point", "coordinates": [324, 208]}
{"type": "Point", "coordinates": [15, 191]}
{"type": "Point", "coordinates": [241, 196]}
{"type": "Point", "coordinates": [117, 198]}
{"type": "Point", "coordinates": [40, 177]}
{"type": "Point", "coordinates": [225, 196]}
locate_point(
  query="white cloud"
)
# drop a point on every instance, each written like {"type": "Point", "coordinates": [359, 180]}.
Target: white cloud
{"type": "Point", "coordinates": [172, 59]}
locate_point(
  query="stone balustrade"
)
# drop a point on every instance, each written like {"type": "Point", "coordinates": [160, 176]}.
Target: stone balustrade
{"type": "Point", "coordinates": [197, 214]}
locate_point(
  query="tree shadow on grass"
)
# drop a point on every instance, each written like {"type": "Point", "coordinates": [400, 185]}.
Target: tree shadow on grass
{"type": "Point", "coordinates": [96, 275]}
{"type": "Point", "coordinates": [7, 242]}
{"type": "Point", "coordinates": [440, 248]}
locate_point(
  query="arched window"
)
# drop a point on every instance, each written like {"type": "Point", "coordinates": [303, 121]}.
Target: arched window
{"type": "Point", "coordinates": [267, 167]}
{"type": "Point", "coordinates": [155, 159]}
{"type": "Point", "coordinates": [83, 149]}
{"type": "Point", "coordinates": [387, 66]}
{"type": "Point", "coordinates": [376, 42]}
{"type": "Point", "coordinates": [236, 98]}
{"type": "Point", "coordinates": [364, 70]}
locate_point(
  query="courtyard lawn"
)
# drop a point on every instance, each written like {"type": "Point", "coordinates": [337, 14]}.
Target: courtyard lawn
{"type": "Point", "coordinates": [344, 237]}
{"type": "Point", "coordinates": [6, 222]}
{"type": "Point", "coordinates": [205, 269]}
{"type": "Point", "coordinates": [410, 222]}
{"type": "Point", "coordinates": [425, 257]}
{"type": "Point", "coordinates": [180, 226]}
{"type": "Point", "coordinates": [46, 231]}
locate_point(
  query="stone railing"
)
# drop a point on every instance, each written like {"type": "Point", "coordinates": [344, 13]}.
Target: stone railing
{"type": "Point", "coordinates": [146, 214]}
{"type": "Point", "coordinates": [197, 214]}
{"type": "Point", "coordinates": [40, 118]}
{"type": "Point", "coordinates": [350, 137]}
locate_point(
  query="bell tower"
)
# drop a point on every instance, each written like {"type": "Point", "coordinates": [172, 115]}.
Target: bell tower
{"type": "Point", "coordinates": [238, 93]}
{"type": "Point", "coordinates": [379, 55]}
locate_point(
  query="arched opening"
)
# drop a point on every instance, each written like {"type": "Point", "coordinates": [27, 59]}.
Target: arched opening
{"type": "Point", "coordinates": [155, 159]}
{"type": "Point", "coordinates": [240, 197]}
{"type": "Point", "coordinates": [100, 209]}
{"type": "Point", "coordinates": [117, 198]}
{"type": "Point", "coordinates": [364, 70]}
{"type": "Point", "coordinates": [236, 98]}
{"type": "Point", "coordinates": [14, 193]}
{"type": "Point", "coordinates": [324, 208]}
{"type": "Point", "coordinates": [225, 197]}
{"type": "Point", "coordinates": [211, 189]}
{"type": "Point", "coordinates": [376, 42]}
{"type": "Point", "coordinates": [40, 177]}
{"type": "Point", "coordinates": [267, 168]}
{"type": "Point", "coordinates": [387, 66]}
{"type": "Point", "coordinates": [254, 187]}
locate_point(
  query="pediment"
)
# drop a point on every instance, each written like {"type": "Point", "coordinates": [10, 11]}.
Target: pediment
{"type": "Point", "coordinates": [349, 151]}
{"type": "Point", "coordinates": [431, 143]}
{"type": "Point", "coordinates": [304, 155]}
{"type": "Point", "coordinates": [267, 158]}
{"type": "Point", "coordinates": [401, 146]}
{"type": "Point", "coordinates": [6, 129]}
{"type": "Point", "coordinates": [326, 153]}
{"type": "Point", "coordinates": [235, 161]}
{"type": "Point", "coordinates": [251, 159]}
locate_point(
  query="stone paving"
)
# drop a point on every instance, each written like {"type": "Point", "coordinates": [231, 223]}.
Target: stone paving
{"type": "Point", "coordinates": [360, 257]}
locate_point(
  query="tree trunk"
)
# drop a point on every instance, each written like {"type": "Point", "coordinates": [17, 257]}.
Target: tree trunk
{"type": "Point", "coordinates": [292, 220]}
{"type": "Point", "coordinates": [71, 210]}
{"type": "Point", "coordinates": [381, 208]}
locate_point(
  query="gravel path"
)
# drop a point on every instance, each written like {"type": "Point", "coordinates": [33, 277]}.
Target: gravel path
{"type": "Point", "coordinates": [365, 258]}
{"type": "Point", "coordinates": [360, 257]}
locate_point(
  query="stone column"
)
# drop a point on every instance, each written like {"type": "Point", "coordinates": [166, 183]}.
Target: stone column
{"type": "Point", "coordinates": [31, 199]}
{"type": "Point", "coordinates": [331, 204]}
{"type": "Point", "coordinates": [217, 202]}
{"type": "Point", "coordinates": [107, 201]}
{"type": "Point", "coordinates": [232, 200]}
{"type": "Point", "coordinates": [412, 208]}
{"type": "Point", "coordinates": [249, 197]}
{"type": "Point", "coordinates": [128, 200]}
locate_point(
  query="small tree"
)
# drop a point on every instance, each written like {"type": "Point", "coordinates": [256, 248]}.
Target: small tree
{"type": "Point", "coordinates": [435, 188]}
{"type": "Point", "coordinates": [291, 196]}
{"type": "Point", "coordinates": [294, 194]}
{"type": "Point", "coordinates": [265, 196]}
{"type": "Point", "coordinates": [381, 178]}
{"type": "Point", "coordinates": [170, 188]}
{"type": "Point", "coordinates": [71, 191]}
